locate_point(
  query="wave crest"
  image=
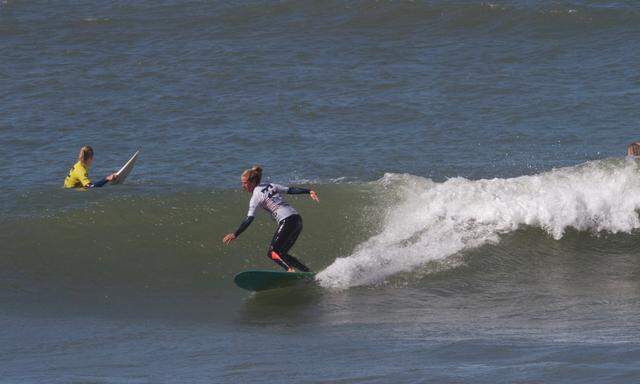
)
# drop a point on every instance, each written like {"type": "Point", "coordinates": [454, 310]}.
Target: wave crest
{"type": "Point", "coordinates": [430, 221]}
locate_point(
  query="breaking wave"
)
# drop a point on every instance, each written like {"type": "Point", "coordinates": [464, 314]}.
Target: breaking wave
{"type": "Point", "coordinates": [430, 221]}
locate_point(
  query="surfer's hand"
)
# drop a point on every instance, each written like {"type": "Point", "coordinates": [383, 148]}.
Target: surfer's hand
{"type": "Point", "coordinates": [112, 177]}
{"type": "Point", "coordinates": [229, 238]}
{"type": "Point", "coordinates": [314, 196]}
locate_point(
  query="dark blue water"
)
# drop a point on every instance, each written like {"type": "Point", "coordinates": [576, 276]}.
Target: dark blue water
{"type": "Point", "coordinates": [478, 222]}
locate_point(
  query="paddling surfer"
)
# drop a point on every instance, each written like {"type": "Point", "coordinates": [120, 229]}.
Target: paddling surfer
{"type": "Point", "coordinates": [268, 197]}
{"type": "Point", "coordinates": [79, 174]}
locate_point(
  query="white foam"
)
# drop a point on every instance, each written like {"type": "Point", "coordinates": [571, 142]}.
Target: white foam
{"type": "Point", "coordinates": [432, 221]}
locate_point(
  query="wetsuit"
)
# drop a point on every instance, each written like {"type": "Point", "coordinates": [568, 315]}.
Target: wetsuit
{"type": "Point", "coordinates": [78, 177]}
{"type": "Point", "coordinates": [267, 196]}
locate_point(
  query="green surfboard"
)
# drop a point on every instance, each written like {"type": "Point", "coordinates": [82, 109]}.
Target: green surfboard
{"type": "Point", "coordinates": [263, 280]}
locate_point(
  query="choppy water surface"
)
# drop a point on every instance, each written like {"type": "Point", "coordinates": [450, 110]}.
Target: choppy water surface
{"type": "Point", "coordinates": [478, 222]}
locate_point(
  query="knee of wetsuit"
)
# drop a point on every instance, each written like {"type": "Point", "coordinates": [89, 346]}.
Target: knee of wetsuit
{"type": "Point", "coordinates": [273, 255]}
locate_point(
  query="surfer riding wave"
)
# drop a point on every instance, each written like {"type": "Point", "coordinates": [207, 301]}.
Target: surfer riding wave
{"type": "Point", "coordinates": [268, 197]}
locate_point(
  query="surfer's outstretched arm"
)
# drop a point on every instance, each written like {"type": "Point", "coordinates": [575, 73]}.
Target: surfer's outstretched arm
{"type": "Point", "coordinates": [303, 191]}
{"type": "Point", "coordinates": [99, 183]}
{"type": "Point", "coordinates": [244, 225]}
{"type": "Point", "coordinates": [104, 181]}
{"type": "Point", "coordinates": [297, 191]}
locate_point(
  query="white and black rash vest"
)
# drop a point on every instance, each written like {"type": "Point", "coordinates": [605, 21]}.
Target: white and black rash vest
{"type": "Point", "coordinates": [268, 196]}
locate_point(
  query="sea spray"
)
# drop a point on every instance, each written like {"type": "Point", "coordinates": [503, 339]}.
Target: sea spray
{"type": "Point", "coordinates": [429, 221]}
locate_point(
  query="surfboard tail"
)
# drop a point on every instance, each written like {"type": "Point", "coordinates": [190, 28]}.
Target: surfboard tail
{"type": "Point", "coordinates": [264, 280]}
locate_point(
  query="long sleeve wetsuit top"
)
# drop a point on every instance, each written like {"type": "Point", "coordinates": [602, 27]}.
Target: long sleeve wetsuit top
{"type": "Point", "coordinates": [268, 197]}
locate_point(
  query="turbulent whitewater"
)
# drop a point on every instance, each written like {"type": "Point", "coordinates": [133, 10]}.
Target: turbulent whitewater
{"type": "Point", "coordinates": [478, 222]}
{"type": "Point", "coordinates": [427, 221]}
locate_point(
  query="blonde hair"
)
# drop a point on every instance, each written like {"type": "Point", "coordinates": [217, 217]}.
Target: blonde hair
{"type": "Point", "coordinates": [633, 149]}
{"type": "Point", "coordinates": [85, 154]}
{"type": "Point", "coordinates": [253, 175]}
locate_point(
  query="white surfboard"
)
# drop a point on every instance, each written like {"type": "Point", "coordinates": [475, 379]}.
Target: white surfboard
{"type": "Point", "coordinates": [126, 169]}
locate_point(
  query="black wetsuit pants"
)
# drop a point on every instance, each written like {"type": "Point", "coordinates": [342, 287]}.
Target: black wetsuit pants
{"type": "Point", "coordinates": [283, 240]}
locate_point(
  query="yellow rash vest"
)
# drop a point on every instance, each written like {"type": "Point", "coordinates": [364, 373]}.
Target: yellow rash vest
{"type": "Point", "coordinates": [77, 177]}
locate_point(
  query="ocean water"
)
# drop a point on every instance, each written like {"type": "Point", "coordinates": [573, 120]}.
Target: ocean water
{"type": "Point", "coordinates": [478, 220]}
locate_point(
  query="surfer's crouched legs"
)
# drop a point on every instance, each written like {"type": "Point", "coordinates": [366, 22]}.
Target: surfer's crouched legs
{"type": "Point", "coordinates": [283, 240]}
